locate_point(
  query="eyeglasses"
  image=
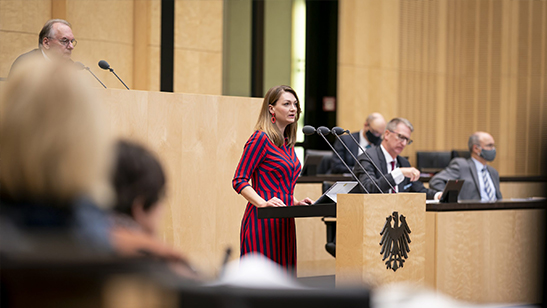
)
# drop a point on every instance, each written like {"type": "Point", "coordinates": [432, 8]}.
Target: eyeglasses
{"type": "Point", "coordinates": [402, 138]}
{"type": "Point", "coordinates": [66, 41]}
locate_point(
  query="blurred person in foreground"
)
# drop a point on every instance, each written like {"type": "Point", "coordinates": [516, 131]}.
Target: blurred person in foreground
{"type": "Point", "coordinates": [270, 163]}
{"type": "Point", "coordinates": [55, 44]}
{"type": "Point", "coordinates": [139, 182]}
{"type": "Point", "coordinates": [55, 159]}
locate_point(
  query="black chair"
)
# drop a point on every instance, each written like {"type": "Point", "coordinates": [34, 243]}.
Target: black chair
{"type": "Point", "coordinates": [316, 162]}
{"type": "Point", "coordinates": [460, 153]}
{"type": "Point", "coordinates": [432, 162]}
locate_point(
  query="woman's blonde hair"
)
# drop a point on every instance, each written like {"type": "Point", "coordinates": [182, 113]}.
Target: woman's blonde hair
{"type": "Point", "coordinates": [265, 124]}
{"type": "Point", "coordinates": [54, 142]}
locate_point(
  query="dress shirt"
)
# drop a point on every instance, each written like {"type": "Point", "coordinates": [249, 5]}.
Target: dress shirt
{"type": "Point", "coordinates": [362, 142]}
{"type": "Point", "coordinates": [484, 195]}
{"type": "Point", "coordinates": [397, 175]}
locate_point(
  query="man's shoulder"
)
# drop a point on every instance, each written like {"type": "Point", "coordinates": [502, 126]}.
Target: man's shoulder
{"type": "Point", "coordinates": [32, 53]}
{"type": "Point", "coordinates": [27, 55]}
{"type": "Point", "coordinates": [461, 161]}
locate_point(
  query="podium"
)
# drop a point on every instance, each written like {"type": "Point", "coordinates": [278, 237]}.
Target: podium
{"type": "Point", "coordinates": [360, 220]}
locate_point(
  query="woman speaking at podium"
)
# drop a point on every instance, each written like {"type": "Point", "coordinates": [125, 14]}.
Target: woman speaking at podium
{"type": "Point", "coordinates": [270, 163]}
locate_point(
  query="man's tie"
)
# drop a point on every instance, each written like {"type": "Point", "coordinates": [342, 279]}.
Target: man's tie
{"type": "Point", "coordinates": [393, 168]}
{"type": "Point", "coordinates": [368, 146]}
{"type": "Point", "coordinates": [487, 186]}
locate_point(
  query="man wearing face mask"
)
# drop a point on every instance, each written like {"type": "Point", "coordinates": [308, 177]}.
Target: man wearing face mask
{"type": "Point", "coordinates": [482, 182]}
{"type": "Point", "coordinates": [371, 134]}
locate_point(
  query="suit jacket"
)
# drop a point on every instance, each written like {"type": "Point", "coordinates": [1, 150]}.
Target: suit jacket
{"type": "Point", "coordinates": [465, 169]}
{"type": "Point", "coordinates": [28, 55]}
{"type": "Point", "coordinates": [377, 156]}
{"type": "Point", "coordinates": [336, 165]}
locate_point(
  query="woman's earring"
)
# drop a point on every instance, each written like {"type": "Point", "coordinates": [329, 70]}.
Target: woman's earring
{"type": "Point", "coordinates": [273, 119]}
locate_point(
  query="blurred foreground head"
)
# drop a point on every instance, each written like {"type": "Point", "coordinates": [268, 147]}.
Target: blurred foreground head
{"type": "Point", "coordinates": [139, 182]}
{"type": "Point", "coordinates": [54, 145]}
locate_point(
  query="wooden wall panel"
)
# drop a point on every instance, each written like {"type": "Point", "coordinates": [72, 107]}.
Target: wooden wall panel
{"type": "Point", "coordinates": [461, 66]}
{"type": "Point", "coordinates": [490, 256]}
{"type": "Point", "coordinates": [189, 134]}
{"type": "Point", "coordinates": [198, 46]}
{"type": "Point", "coordinates": [20, 23]}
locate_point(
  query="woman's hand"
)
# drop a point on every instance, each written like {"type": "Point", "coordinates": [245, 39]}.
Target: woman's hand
{"type": "Point", "coordinates": [305, 201]}
{"type": "Point", "coordinates": [273, 202]}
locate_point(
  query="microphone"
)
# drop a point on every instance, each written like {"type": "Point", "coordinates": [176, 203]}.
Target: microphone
{"type": "Point", "coordinates": [80, 66]}
{"type": "Point", "coordinates": [105, 66]}
{"type": "Point", "coordinates": [336, 131]}
{"type": "Point", "coordinates": [339, 129]}
{"type": "Point", "coordinates": [323, 131]}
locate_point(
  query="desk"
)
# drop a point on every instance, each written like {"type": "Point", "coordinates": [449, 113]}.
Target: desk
{"type": "Point", "coordinates": [483, 252]}
{"type": "Point", "coordinates": [329, 209]}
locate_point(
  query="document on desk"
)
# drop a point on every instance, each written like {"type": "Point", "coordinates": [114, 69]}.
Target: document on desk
{"type": "Point", "coordinates": [334, 190]}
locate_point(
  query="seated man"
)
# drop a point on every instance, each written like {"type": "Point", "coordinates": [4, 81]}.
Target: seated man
{"type": "Point", "coordinates": [370, 135]}
{"type": "Point", "coordinates": [55, 43]}
{"type": "Point", "coordinates": [396, 169]}
{"type": "Point", "coordinates": [482, 182]}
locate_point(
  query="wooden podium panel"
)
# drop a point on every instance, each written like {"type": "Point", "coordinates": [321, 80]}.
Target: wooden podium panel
{"type": "Point", "coordinates": [360, 220]}
{"type": "Point", "coordinates": [490, 256]}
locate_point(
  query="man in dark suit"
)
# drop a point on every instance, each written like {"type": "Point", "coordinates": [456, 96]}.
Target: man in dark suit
{"type": "Point", "coordinates": [370, 135]}
{"type": "Point", "coordinates": [392, 169]}
{"type": "Point", "coordinates": [482, 182]}
{"type": "Point", "coordinates": [55, 43]}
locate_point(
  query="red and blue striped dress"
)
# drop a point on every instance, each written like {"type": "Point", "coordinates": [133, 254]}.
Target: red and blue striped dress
{"type": "Point", "coordinates": [273, 172]}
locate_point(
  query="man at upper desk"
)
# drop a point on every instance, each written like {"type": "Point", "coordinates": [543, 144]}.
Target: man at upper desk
{"type": "Point", "coordinates": [371, 134]}
{"type": "Point", "coordinates": [482, 182]}
{"type": "Point", "coordinates": [55, 43]}
{"type": "Point", "coordinates": [395, 168]}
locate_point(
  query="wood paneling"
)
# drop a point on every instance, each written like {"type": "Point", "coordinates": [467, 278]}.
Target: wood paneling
{"type": "Point", "coordinates": [360, 219]}
{"type": "Point", "coordinates": [198, 46]}
{"type": "Point", "coordinates": [188, 132]}
{"type": "Point", "coordinates": [451, 68]}
{"type": "Point", "coordinates": [489, 256]}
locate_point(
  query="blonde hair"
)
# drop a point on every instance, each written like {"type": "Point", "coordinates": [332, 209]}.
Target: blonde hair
{"type": "Point", "coordinates": [54, 143]}
{"type": "Point", "coordinates": [265, 124]}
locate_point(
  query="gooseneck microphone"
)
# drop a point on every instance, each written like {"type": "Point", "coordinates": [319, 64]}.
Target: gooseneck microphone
{"type": "Point", "coordinates": [81, 66]}
{"type": "Point", "coordinates": [336, 131]}
{"type": "Point", "coordinates": [345, 131]}
{"type": "Point", "coordinates": [105, 66]}
{"type": "Point", "coordinates": [323, 131]}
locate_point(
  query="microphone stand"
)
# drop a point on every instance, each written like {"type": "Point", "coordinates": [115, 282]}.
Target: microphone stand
{"type": "Point", "coordinates": [359, 145]}
{"type": "Point", "coordinates": [353, 174]}
{"type": "Point", "coordinates": [112, 70]}
{"type": "Point", "coordinates": [357, 161]}
{"type": "Point", "coordinates": [87, 69]}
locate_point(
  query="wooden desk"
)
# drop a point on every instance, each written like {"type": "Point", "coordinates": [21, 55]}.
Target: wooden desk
{"type": "Point", "coordinates": [483, 252]}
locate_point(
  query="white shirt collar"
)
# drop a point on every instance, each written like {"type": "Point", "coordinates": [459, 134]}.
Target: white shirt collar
{"type": "Point", "coordinates": [45, 56]}
{"type": "Point", "coordinates": [478, 165]}
{"type": "Point", "coordinates": [389, 159]}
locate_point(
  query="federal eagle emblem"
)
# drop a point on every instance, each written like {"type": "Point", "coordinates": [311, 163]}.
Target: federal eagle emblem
{"type": "Point", "coordinates": [395, 240]}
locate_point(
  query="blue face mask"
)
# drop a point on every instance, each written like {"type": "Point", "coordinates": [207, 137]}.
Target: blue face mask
{"type": "Point", "coordinates": [488, 155]}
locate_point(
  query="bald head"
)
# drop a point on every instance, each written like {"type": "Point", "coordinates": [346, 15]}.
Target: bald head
{"type": "Point", "coordinates": [480, 141]}
{"type": "Point", "coordinates": [375, 124]}
{"type": "Point", "coordinates": [56, 39]}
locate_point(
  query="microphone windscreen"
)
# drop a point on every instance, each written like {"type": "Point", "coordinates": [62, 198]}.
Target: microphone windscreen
{"type": "Point", "coordinates": [308, 130]}
{"type": "Point", "coordinates": [338, 130]}
{"type": "Point", "coordinates": [79, 65]}
{"type": "Point", "coordinates": [323, 130]}
{"type": "Point", "coordinates": [104, 65]}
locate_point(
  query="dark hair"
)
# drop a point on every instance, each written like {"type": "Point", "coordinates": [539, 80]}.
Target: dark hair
{"type": "Point", "coordinates": [47, 29]}
{"type": "Point", "coordinates": [137, 174]}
